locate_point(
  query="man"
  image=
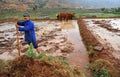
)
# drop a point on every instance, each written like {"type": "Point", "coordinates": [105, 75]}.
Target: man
{"type": "Point", "coordinates": [28, 29]}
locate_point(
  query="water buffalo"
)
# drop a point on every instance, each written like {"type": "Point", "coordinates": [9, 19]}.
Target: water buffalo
{"type": "Point", "coordinates": [70, 16]}
{"type": "Point", "coordinates": [65, 16]}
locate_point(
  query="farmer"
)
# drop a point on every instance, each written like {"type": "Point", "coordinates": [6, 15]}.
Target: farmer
{"type": "Point", "coordinates": [28, 29]}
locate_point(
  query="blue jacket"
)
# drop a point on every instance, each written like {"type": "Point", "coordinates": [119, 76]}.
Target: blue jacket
{"type": "Point", "coordinates": [29, 30]}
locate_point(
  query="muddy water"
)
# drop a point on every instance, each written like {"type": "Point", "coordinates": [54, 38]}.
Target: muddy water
{"type": "Point", "coordinates": [79, 57]}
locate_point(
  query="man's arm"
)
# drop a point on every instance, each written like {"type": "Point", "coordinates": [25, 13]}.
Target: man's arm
{"type": "Point", "coordinates": [26, 28]}
{"type": "Point", "coordinates": [20, 23]}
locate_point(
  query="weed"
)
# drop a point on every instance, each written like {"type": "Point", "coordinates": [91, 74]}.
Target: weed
{"type": "Point", "coordinates": [101, 73]}
{"type": "Point", "coordinates": [63, 60]}
{"type": "Point", "coordinates": [30, 52]}
{"type": "Point", "coordinates": [41, 55]}
{"type": "Point", "coordinates": [102, 68]}
{"type": "Point", "coordinates": [50, 58]}
{"type": "Point", "coordinates": [91, 51]}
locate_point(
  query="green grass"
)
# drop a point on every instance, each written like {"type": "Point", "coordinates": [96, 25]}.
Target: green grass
{"type": "Point", "coordinates": [108, 15]}
{"type": "Point", "coordinates": [103, 68]}
{"type": "Point", "coordinates": [51, 13]}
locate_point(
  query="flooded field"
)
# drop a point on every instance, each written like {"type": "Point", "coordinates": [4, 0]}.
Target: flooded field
{"type": "Point", "coordinates": [54, 38]}
{"type": "Point", "coordinates": [107, 31]}
{"type": "Point", "coordinates": [58, 38]}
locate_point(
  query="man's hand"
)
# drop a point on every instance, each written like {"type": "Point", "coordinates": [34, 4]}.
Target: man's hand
{"type": "Point", "coordinates": [16, 19]}
{"type": "Point", "coordinates": [16, 26]}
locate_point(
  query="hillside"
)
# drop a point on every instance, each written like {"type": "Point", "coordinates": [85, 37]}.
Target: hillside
{"type": "Point", "coordinates": [96, 3]}
{"type": "Point", "coordinates": [57, 4]}
{"type": "Point", "coordinates": [19, 5]}
{"type": "Point", "coordinates": [22, 5]}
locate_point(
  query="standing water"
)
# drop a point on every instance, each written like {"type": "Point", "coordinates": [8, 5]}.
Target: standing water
{"type": "Point", "coordinates": [79, 56]}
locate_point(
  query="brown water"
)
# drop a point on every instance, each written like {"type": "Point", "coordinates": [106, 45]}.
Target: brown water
{"type": "Point", "coordinates": [79, 57]}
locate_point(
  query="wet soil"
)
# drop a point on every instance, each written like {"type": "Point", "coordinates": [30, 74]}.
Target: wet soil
{"type": "Point", "coordinates": [91, 37]}
{"type": "Point", "coordinates": [107, 25]}
{"type": "Point", "coordinates": [54, 38]}
{"type": "Point", "coordinates": [63, 39]}
{"type": "Point", "coordinates": [107, 33]}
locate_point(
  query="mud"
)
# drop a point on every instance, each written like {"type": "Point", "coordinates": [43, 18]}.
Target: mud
{"type": "Point", "coordinates": [25, 66]}
{"type": "Point", "coordinates": [91, 37]}
{"type": "Point", "coordinates": [50, 38]}
{"type": "Point", "coordinates": [106, 24]}
{"type": "Point", "coordinates": [107, 34]}
{"type": "Point", "coordinates": [54, 38]}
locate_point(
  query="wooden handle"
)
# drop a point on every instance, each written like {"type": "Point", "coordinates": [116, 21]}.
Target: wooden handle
{"type": "Point", "coordinates": [18, 43]}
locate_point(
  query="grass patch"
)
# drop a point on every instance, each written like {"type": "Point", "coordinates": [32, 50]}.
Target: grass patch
{"type": "Point", "coordinates": [91, 51]}
{"type": "Point", "coordinates": [51, 13]}
{"type": "Point", "coordinates": [107, 15]}
{"type": "Point", "coordinates": [102, 68]}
